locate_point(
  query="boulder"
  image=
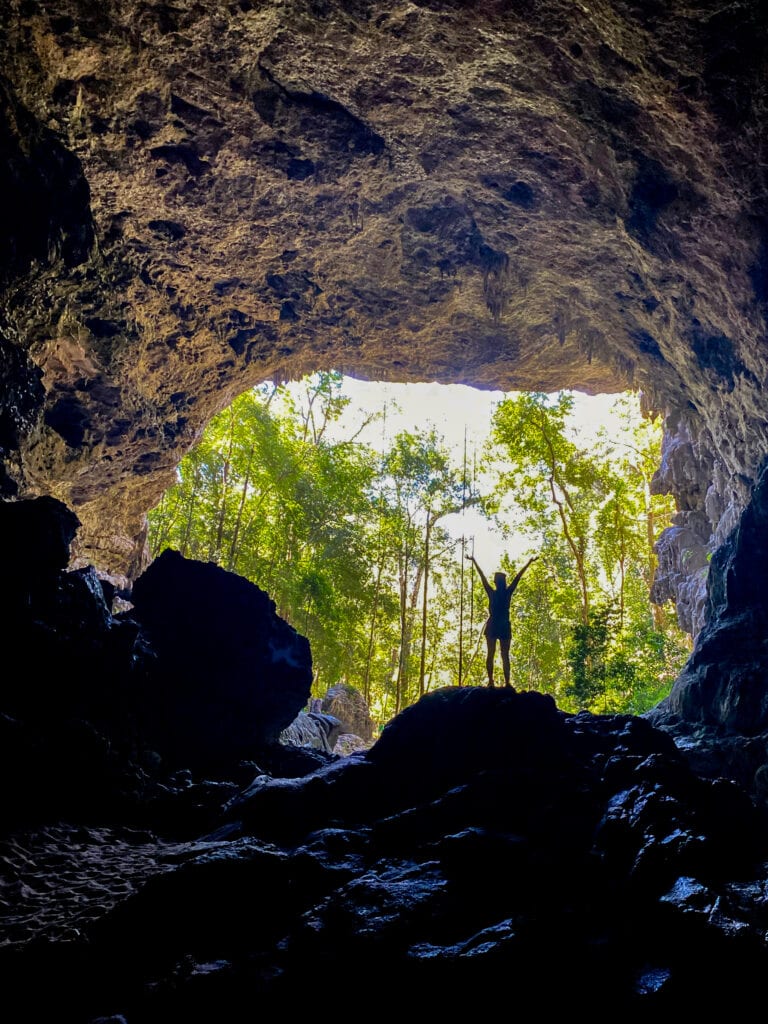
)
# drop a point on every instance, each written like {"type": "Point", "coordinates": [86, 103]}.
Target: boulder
{"type": "Point", "coordinates": [312, 729]}
{"type": "Point", "coordinates": [349, 706]}
{"type": "Point", "coordinates": [230, 674]}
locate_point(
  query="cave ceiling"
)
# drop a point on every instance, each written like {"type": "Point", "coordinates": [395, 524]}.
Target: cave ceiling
{"type": "Point", "coordinates": [200, 196]}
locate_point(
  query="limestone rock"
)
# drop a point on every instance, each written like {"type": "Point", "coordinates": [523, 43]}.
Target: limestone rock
{"type": "Point", "coordinates": [101, 710]}
{"type": "Point", "coordinates": [349, 706]}
{"type": "Point", "coordinates": [722, 688]}
{"type": "Point", "coordinates": [310, 729]}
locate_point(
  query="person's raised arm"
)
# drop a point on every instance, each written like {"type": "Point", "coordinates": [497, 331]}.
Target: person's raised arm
{"type": "Point", "coordinates": [519, 576]}
{"type": "Point", "coordinates": [487, 586]}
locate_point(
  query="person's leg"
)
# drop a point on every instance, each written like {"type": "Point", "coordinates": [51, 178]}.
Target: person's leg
{"type": "Point", "coordinates": [490, 643]}
{"type": "Point", "coordinates": [504, 644]}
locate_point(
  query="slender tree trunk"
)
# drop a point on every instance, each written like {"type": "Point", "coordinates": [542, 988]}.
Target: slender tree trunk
{"type": "Point", "coordinates": [412, 604]}
{"type": "Point", "coordinates": [650, 533]}
{"type": "Point", "coordinates": [169, 519]}
{"type": "Point", "coordinates": [622, 576]}
{"type": "Point", "coordinates": [463, 553]}
{"type": "Point", "coordinates": [271, 570]}
{"type": "Point", "coordinates": [433, 659]}
{"type": "Point", "coordinates": [184, 546]}
{"type": "Point", "coordinates": [576, 551]}
{"type": "Point", "coordinates": [239, 516]}
{"type": "Point", "coordinates": [408, 606]}
{"type": "Point", "coordinates": [391, 677]}
{"type": "Point", "coordinates": [461, 615]}
{"type": "Point", "coordinates": [372, 634]}
{"type": "Point", "coordinates": [578, 555]}
{"type": "Point", "coordinates": [424, 605]}
{"type": "Point", "coordinates": [215, 554]}
{"type": "Point", "coordinates": [401, 661]}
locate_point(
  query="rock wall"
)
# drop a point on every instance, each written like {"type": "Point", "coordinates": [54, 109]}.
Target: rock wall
{"type": "Point", "coordinates": [200, 197]}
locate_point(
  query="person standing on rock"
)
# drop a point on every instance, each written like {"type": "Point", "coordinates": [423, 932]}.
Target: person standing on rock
{"type": "Point", "coordinates": [498, 627]}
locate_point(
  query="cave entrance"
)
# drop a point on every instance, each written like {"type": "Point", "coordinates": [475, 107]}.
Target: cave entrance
{"type": "Point", "coordinates": [357, 505]}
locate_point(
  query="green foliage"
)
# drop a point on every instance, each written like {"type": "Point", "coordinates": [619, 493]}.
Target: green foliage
{"type": "Point", "coordinates": [585, 630]}
{"type": "Point", "coordinates": [418, 488]}
{"type": "Point", "coordinates": [267, 497]}
{"type": "Point", "coordinates": [352, 545]}
{"type": "Point", "coordinates": [619, 671]}
{"type": "Point", "coordinates": [598, 666]}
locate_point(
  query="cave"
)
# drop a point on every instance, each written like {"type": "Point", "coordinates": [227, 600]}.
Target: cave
{"type": "Point", "coordinates": [201, 196]}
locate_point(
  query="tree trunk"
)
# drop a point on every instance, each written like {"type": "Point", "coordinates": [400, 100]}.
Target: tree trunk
{"type": "Point", "coordinates": [239, 516]}
{"type": "Point", "coordinates": [401, 660]}
{"type": "Point", "coordinates": [184, 546]}
{"type": "Point", "coordinates": [222, 517]}
{"type": "Point", "coordinates": [372, 634]}
{"type": "Point", "coordinates": [650, 531]}
{"type": "Point", "coordinates": [422, 664]}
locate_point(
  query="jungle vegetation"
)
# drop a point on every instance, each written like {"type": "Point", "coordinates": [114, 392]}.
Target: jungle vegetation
{"type": "Point", "coordinates": [353, 545]}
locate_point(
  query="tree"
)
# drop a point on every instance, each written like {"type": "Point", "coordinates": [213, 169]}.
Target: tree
{"type": "Point", "coordinates": [421, 488]}
{"type": "Point", "coordinates": [265, 495]}
{"type": "Point", "coordinates": [597, 523]}
{"type": "Point", "coordinates": [551, 476]}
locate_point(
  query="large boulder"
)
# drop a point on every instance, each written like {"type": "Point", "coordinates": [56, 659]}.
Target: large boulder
{"type": "Point", "coordinates": [230, 674]}
{"type": "Point", "coordinates": [104, 714]}
{"type": "Point", "coordinates": [349, 706]}
{"type": "Point", "coordinates": [312, 729]}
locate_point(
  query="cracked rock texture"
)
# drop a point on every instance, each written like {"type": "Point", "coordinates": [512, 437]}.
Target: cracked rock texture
{"type": "Point", "coordinates": [200, 196]}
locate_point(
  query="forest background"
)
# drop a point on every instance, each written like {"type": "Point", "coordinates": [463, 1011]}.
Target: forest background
{"type": "Point", "coordinates": [363, 547]}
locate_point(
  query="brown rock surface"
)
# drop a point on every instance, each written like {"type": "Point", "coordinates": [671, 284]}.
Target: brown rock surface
{"type": "Point", "coordinates": [203, 196]}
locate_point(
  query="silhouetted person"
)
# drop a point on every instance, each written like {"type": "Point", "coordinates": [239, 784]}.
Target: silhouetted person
{"type": "Point", "coordinates": [498, 626]}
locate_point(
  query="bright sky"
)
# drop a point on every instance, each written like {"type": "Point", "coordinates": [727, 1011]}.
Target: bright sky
{"type": "Point", "coordinates": [454, 409]}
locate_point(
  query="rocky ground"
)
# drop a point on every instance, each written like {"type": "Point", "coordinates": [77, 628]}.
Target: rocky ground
{"type": "Point", "coordinates": [57, 880]}
{"type": "Point", "coordinates": [487, 849]}
{"type": "Point", "coordinates": [164, 861]}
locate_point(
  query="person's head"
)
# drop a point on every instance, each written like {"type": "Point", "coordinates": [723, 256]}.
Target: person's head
{"type": "Point", "coordinates": [500, 580]}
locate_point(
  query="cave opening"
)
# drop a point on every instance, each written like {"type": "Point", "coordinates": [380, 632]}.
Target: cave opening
{"type": "Point", "coordinates": [357, 505]}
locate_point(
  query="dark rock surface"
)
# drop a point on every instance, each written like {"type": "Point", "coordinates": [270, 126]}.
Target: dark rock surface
{"type": "Point", "coordinates": [312, 729]}
{"type": "Point", "coordinates": [229, 675]}
{"type": "Point", "coordinates": [486, 844]}
{"type": "Point", "coordinates": [99, 713]}
{"type": "Point", "coordinates": [717, 710]}
{"type": "Point", "coordinates": [487, 849]}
